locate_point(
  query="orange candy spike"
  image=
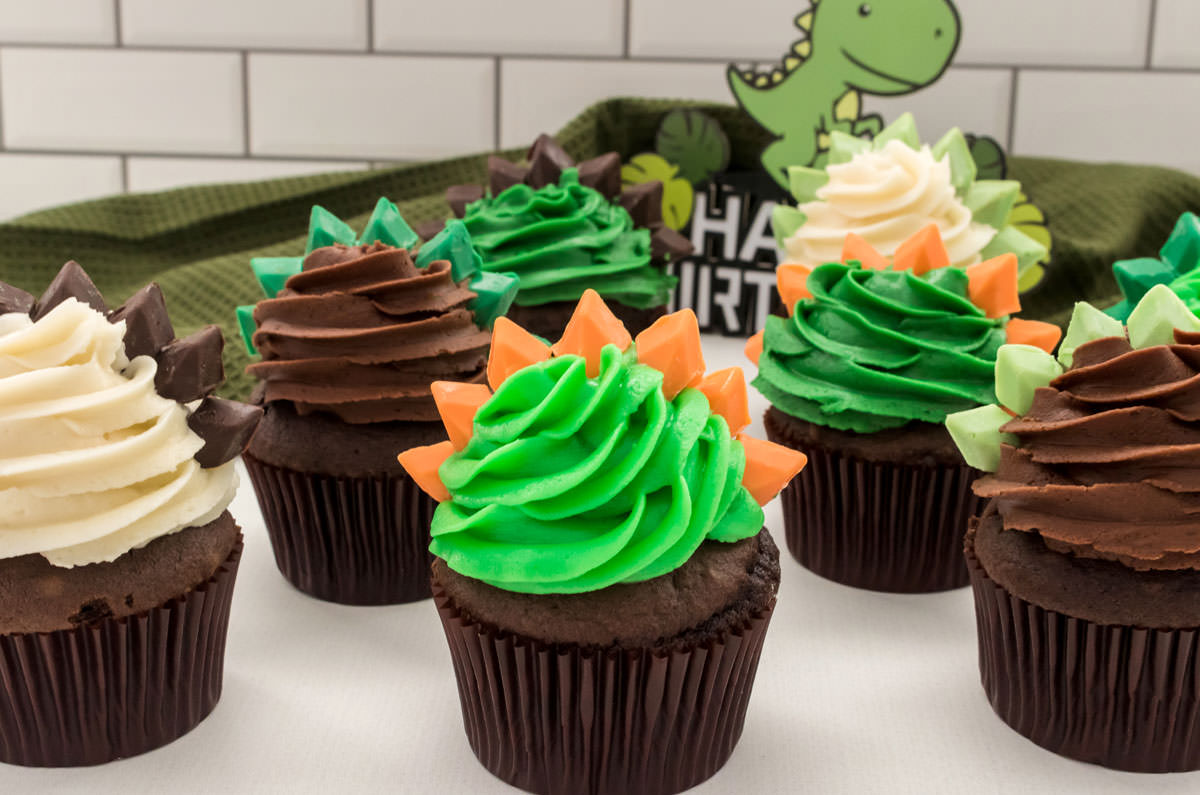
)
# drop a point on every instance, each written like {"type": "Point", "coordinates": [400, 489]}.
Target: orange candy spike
{"type": "Point", "coordinates": [754, 347]}
{"type": "Point", "coordinates": [792, 280]}
{"type": "Point", "coordinates": [672, 346]}
{"type": "Point", "coordinates": [726, 393]}
{"type": "Point", "coordinates": [993, 285]}
{"type": "Point", "coordinates": [769, 467]}
{"type": "Point", "coordinates": [858, 248]}
{"type": "Point", "coordinates": [922, 252]}
{"type": "Point", "coordinates": [512, 348]}
{"type": "Point", "coordinates": [422, 464]}
{"type": "Point", "coordinates": [1033, 332]}
{"type": "Point", "coordinates": [457, 403]}
{"type": "Point", "coordinates": [591, 327]}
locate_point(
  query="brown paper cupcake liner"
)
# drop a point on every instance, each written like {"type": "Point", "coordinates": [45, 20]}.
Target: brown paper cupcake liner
{"type": "Point", "coordinates": [351, 540]}
{"type": "Point", "coordinates": [884, 526]}
{"type": "Point", "coordinates": [563, 720]}
{"type": "Point", "coordinates": [119, 687]}
{"type": "Point", "coordinates": [1118, 696]}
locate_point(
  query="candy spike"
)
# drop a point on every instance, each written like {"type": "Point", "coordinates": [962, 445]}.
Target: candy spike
{"type": "Point", "coordinates": [422, 465]}
{"type": "Point", "coordinates": [1032, 332]}
{"type": "Point", "coordinates": [1087, 323]}
{"type": "Point", "coordinates": [922, 252]}
{"type": "Point", "coordinates": [769, 467]}
{"type": "Point", "coordinates": [591, 327]}
{"type": "Point", "coordinates": [494, 294]}
{"type": "Point", "coordinates": [671, 345]}
{"type": "Point", "coordinates": [1156, 317]}
{"type": "Point", "coordinates": [273, 272]}
{"type": "Point", "coordinates": [512, 348]}
{"type": "Point", "coordinates": [325, 229]}
{"type": "Point", "coordinates": [803, 182]}
{"type": "Point", "coordinates": [246, 325]}
{"type": "Point", "coordinates": [71, 281]}
{"type": "Point", "coordinates": [386, 225]}
{"type": "Point", "coordinates": [754, 347]}
{"type": "Point", "coordinates": [792, 280]}
{"type": "Point", "coordinates": [726, 393]}
{"type": "Point", "coordinates": [977, 434]}
{"type": "Point", "coordinates": [857, 248]}
{"type": "Point", "coordinates": [785, 220]}
{"type": "Point", "coordinates": [843, 147]}
{"type": "Point", "coordinates": [457, 403]}
{"type": "Point", "coordinates": [1020, 371]}
{"type": "Point", "coordinates": [962, 164]}
{"type": "Point", "coordinates": [453, 243]}
{"type": "Point", "coordinates": [1182, 248]}
{"type": "Point", "coordinates": [991, 201]}
{"type": "Point", "coordinates": [1012, 240]}
{"type": "Point", "coordinates": [993, 285]}
{"type": "Point", "coordinates": [903, 129]}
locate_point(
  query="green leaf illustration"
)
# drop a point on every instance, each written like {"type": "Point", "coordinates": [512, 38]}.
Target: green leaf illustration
{"type": "Point", "coordinates": [677, 193]}
{"type": "Point", "coordinates": [695, 142]}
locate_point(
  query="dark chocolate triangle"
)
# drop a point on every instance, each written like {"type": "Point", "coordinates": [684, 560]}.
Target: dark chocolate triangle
{"type": "Point", "coordinates": [602, 173]}
{"type": "Point", "coordinates": [147, 325]}
{"type": "Point", "coordinates": [644, 203]}
{"type": "Point", "coordinates": [503, 174]}
{"type": "Point", "coordinates": [427, 230]}
{"type": "Point", "coordinates": [546, 162]}
{"type": "Point", "coordinates": [666, 242]}
{"type": "Point", "coordinates": [14, 299]}
{"type": "Point", "coordinates": [70, 282]}
{"type": "Point", "coordinates": [459, 196]}
{"type": "Point", "coordinates": [191, 368]}
{"type": "Point", "coordinates": [225, 426]}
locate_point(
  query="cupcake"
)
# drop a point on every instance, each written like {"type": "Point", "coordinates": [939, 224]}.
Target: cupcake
{"type": "Point", "coordinates": [876, 352]}
{"type": "Point", "coordinates": [117, 554]}
{"type": "Point", "coordinates": [599, 539]}
{"type": "Point", "coordinates": [1177, 266]}
{"type": "Point", "coordinates": [1086, 562]}
{"type": "Point", "coordinates": [351, 337]}
{"type": "Point", "coordinates": [563, 227]}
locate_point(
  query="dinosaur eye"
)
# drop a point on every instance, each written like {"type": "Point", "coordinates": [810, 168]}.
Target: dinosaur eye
{"type": "Point", "coordinates": [864, 10]}
{"type": "Point", "coordinates": [937, 33]}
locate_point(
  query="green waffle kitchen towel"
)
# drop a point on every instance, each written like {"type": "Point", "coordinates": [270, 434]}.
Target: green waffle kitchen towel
{"type": "Point", "coordinates": [197, 242]}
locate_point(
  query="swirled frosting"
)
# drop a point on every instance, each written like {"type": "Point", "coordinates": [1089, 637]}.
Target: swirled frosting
{"type": "Point", "coordinates": [361, 332]}
{"type": "Point", "coordinates": [572, 484]}
{"type": "Point", "coordinates": [93, 461]}
{"type": "Point", "coordinates": [1108, 460]}
{"type": "Point", "coordinates": [874, 349]}
{"type": "Point", "coordinates": [564, 237]}
{"type": "Point", "coordinates": [885, 196]}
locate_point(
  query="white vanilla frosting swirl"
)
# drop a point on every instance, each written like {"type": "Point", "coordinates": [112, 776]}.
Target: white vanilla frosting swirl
{"type": "Point", "coordinates": [93, 461]}
{"type": "Point", "coordinates": [887, 196]}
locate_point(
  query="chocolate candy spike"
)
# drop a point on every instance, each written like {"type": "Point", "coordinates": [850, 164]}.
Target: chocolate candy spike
{"type": "Point", "coordinates": [602, 173]}
{"type": "Point", "coordinates": [190, 368]}
{"type": "Point", "coordinates": [666, 242]}
{"type": "Point", "coordinates": [644, 203]}
{"type": "Point", "coordinates": [147, 326]}
{"type": "Point", "coordinates": [71, 282]}
{"type": "Point", "coordinates": [503, 175]}
{"type": "Point", "coordinates": [427, 230]}
{"type": "Point", "coordinates": [546, 162]}
{"type": "Point", "coordinates": [459, 196]}
{"type": "Point", "coordinates": [225, 426]}
{"type": "Point", "coordinates": [14, 299]}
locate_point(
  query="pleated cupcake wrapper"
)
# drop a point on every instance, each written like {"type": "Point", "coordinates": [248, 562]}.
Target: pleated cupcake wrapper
{"type": "Point", "coordinates": [119, 687]}
{"type": "Point", "coordinates": [884, 526]}
{"type": "Point", "coordinates": [1123, 697]}
{"type": "Point", "coordinates": [352, 540]}
{"type": "Point", "coordinates": [565, 721]}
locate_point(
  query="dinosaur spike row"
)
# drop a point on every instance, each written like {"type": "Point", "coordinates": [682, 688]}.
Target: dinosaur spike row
{"type": "Point", "coordinates": [671, 346]}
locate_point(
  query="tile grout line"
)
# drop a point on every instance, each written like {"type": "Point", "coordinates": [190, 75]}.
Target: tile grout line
{"type": "Point", "coordinates": [117, 22]}
{"type": "Point", "coordinates": [124, 173]}
{"type": "Point", "coordinates": [2, 121]}
{"type": "Point", "coordinates": [370, 9]}
{"type": "Point", "coordinates": [496, 66]}
{"type": "Point", "coordinates": [1150, 33]}
{"type": "Point", "coordinates": [192, 155]}
{"type": "Point", "coordinates": [625, 43]}
{"type": "Point", "coordinates": [1012, 111]}
{"type": "Point", "coordinates": [246, 103]}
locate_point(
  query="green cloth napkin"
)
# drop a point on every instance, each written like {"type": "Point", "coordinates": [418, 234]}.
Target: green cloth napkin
{"type": "Point", "coordinates": [197, 242]}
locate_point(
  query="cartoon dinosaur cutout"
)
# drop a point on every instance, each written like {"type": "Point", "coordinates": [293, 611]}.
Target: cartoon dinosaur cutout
{"type": "Point", "coordinates": [883, 47]}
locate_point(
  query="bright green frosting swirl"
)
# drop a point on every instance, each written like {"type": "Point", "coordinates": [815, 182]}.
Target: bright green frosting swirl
{"type": "Point", "coordinates": [561, 239]}
{"type": "Point", "coordinates": [574, 484]}
{"type": "Point", "coordinates": [874, 349]}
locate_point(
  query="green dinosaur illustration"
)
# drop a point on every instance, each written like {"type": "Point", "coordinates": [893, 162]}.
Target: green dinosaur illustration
{"type": "Point", "coordinates": [883, 47]}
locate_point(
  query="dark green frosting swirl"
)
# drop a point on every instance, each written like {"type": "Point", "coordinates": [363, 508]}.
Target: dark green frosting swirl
{"type": "Point", "coordinates": [574, 484]}
{"type": "Point", "coordinates": [561, 239]}
{"type": "Point", "coordinates": [875, 349]}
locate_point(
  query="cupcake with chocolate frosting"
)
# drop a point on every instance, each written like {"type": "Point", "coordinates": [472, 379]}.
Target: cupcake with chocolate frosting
{"type": "Point", "coordinates": [563, 227]}
{"type": "Point", "coordinates": [1086, 563]}
{"type": "Point", "coordinates": [351, 337]}
{"type": "Point", "coordinates": [117, 553]}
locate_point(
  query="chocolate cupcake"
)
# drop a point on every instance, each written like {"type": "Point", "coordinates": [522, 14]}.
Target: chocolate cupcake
{"type": "Point", "coordinates": [876, 352]}
{"type": "Point", "coordinates": [351, 337]}
{"type": "Point", "coordinates": [117, 554]}
{"type": "Point", "coordinates": [1086, 564]}
{"type": "Point", "coordinates": [602, 570]}
{"type": "Point", "coordinates": [563, 227]}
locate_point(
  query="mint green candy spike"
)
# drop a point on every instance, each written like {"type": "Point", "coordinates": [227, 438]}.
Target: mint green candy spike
{"type": "Point", "coordinates": [246, 324]}
{"type": "Point", "coordinates": [1020, 371]}
{"type": "Point", "coordinates": [1154, 320]}
{"type": "Point", "coordinates": [978, 436]}
{"type": "Point", "coordinates": [273, 272]}
{"type": "Point", "coordinates": [325, 229]}
{"type": "Point", "coordinates": [843, 147]}
{"type": "Point", "coordinates": [991, 200]}
{"type": "Point", "coordinates": [785, 220]}
{"type": "Point", "coordinates": [1135, 277]}
{"type": "Point", "coordinates": [1027, 250]}
{"type": "Point", "coordinates": [1087, 323]}
{"type": "Point", "coordinates": [903, 129]}
{"type": "Point", "coordinates": [1182, 249]}
{"type": "Point", "coordinates": [387, 226]}
{"type": "Point", "coordinates": [962, 165]}
{"type": "Point", "coordinates": [803, 182]}
{"type": "Point", "coordinates": [494, 294]}
{"type": "Point", "coordinates": [452, 243]}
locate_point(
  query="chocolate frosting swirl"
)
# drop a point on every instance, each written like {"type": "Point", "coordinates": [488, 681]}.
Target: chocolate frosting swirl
{"type": "Point", "coordinates": [362, 332]}
{"type": "Point", "coordinates": [1109, 459]}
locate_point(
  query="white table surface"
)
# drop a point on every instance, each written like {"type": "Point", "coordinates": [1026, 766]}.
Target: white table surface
{"type": "Point", "coordinates": [857, 692]}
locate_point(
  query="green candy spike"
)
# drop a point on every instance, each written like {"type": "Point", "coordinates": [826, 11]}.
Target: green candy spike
{"type": "Point", "coordinates": [1028, 250]}
{"type": "Point", "coordinates": [1087, 323]}
{"type": "Point", "coordinates": [494, 294]}
{"type": "Point", "coordinates": [1182, 249]}
{"type": "Point", "coordinates": [1120, 310]}
{"type": "Point", "coordinates": [1154, 320]}
{"type": "Point", "coordinates": [903, 129]}
{"type": "Point", "coordinates": [387, 226]}
{"type": "Point", "coordinates": [325, 229]}
{"type": "Point", "coordinates": [1020, 370]}
{"type": "Point", "coordinates": [843, 147]}
{"type": "Point", "coordinates": [803, 182]}
{"type": "Point", "coordinates": [785, 220]}
{"type": "Point", "coordinates": [962, 165]}
{"type": "Point", "coordinates": [452, 243]}
{"type": "Point", "coordinates": [977, 434]}
{"type": "Point", "coordinates": [245, 319]}
{"type": "Point", "coordinates": [273, 272]}
{"type": "Point", "coordinates": [1135, 277]}
{"type": "Point", "coordinates": [991, 200]}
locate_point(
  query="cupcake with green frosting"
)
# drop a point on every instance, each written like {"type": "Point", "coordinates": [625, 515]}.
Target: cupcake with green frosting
{"type": "Point", "coordinates": [564, 227]}
{"type": "Point", "coordinates": [875, 353]}
{"type": "Point", "coordinates": [1177, 266]}
{"type": "Point", "coordinates": [599, 536]}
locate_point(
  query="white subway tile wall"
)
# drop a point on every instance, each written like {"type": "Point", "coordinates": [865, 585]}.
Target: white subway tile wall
{"type": "Point", "coordinates": [100, 96]}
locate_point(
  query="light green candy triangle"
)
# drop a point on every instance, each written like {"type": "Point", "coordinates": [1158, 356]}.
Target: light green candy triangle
{"type": "Point", "coordinates": [903, 129]}
{"type": "Point", "coordinates": [1154, 320]}
{"type": "Point", "coordinates": [1020, 371]}
{"type": "Point", "coordinates": [991, 200]}
{"type": "Point", "coordinates": [246, 325]}
{"type": "Point", "coordinates": [1087, 323]}
{"type": "Point", "coordinates": [1028, 250]}
{"type": "Point", "coordinates": [325, 229]}
{"type": "Point", "coordinates": [494, 294]}
{"type": "Point", "coordinates": [387, 226]}
{"type": "Point", "coordinates": [452, 243]}
{"type": "Point", "coordinates": [785, 220]}
{"type": "Point", "coordinates": [843, 147]}
{"type": "Point", "coordinates": [273, 272]}
{"type": "Point", "coordinates": [977, 434]}
{"type": "Point", "coordinates": [803, 182]}
{"type": "Point", "coordinates": [962, 165]}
